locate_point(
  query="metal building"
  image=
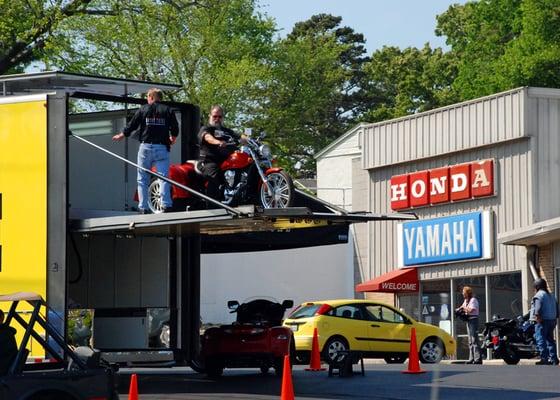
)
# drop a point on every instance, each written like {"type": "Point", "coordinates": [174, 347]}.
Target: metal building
{"type": "Point", "coordinates": [490, 164]}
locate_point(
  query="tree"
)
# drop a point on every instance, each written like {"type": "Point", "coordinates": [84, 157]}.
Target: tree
{"type": "Point", "coordinates": [402, 82]}
{"type": "Point", "coordinates": [502, 44]}
{"type": "Point", "coordinates": [217, 50]}
{"type": "Point", "coordinates": [26, 28]}
{"type": "Point", "coordinates": [313, 89]}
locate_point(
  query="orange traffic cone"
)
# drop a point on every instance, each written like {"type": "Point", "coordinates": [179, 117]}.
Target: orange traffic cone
{"type": "Point", "coordinates": [315, 362]}
{"type": "Point", "coordinates": [413, 363]}
{"type": "Point", "coordinates": [287, 387]}
{"type": "Point", "coordinates": [133, 390]}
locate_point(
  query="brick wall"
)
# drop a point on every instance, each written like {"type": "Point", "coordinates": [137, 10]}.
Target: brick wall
{"type": "Point", "coordinates": [387, 298]}
{"type": "Point", "coordinates": [545, 265]}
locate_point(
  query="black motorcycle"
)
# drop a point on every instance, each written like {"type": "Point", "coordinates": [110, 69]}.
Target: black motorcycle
{"type": "Point", "coordinates": [510, 339]}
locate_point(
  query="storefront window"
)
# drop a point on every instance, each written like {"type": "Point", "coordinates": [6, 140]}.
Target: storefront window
{"type": "Point", "coordinates": [408, 302]}
{"type": "Point", "coordinates": [505, 295]}
{"type": "Point", "coordinates": [479, 289]}
{"type": "Point", "coordinates": [435, 304]}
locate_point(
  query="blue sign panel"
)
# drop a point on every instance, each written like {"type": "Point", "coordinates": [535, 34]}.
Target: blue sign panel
{"type": "Point", "coordinates": [438, 240]}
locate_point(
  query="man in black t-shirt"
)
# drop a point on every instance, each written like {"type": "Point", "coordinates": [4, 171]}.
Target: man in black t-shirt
{"type": "Point", "coordinates": [216, 143]}
{"type": "Point", "coordinates": [158, 131]}
{"type": "Point", "coordinates": [8, 345]}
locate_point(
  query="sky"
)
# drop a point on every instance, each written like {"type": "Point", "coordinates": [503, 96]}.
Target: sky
{"type": "Point", "coordinates": [401, 23]}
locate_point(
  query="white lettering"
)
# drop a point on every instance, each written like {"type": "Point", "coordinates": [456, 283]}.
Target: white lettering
{"type": "Point", "coordinates": [432, 234]}
{"type": "Point", "coordinates": [398, 192]}
{"type": "Point", "coordinates": [471, 237]}
{"type": "Point", "coordinates": [458, 237]}
{"type": "Point", "coordinates": [420, 250]}
{"type": "Point", "coordinates": [446, 241]}
{"type": "Point", "coordinates": [438, 185]}
{"type": "Point", "coordinates": [398, 286]}
{"type": "Point", "coordinates": [458, 182]}
{"type": "Point", "coordinates": [418, 189]}
{"type": "Point", "coordinates": [480, 179]}
{"type": "Point", "coordinates": [408, 235]}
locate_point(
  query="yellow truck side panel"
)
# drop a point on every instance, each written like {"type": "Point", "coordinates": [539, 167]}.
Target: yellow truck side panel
{"type": "Point", "coordinates": [23, 187]}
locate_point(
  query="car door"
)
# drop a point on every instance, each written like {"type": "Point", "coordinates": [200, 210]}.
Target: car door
{"type": "Point", "coordinates": [388, 330]}
{"type": "Point", "coordinates": [346, 320]}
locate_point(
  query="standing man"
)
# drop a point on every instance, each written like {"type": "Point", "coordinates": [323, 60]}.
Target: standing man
{"type": "Point", "coordinates": [158, 131]}
{"type": "Point", "coordinates": [544, 311]}
{"type": "Point", "coordinates": [471, 309]}
{"type": "Point", "coordinates": [216, 143]}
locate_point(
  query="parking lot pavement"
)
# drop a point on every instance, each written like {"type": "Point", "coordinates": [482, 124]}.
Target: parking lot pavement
{"type": "Point", "coordinates": [381, 381]}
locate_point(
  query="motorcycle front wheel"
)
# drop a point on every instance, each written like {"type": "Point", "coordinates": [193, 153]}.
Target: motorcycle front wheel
{"type": "Point", "coordinates": [280, 191]}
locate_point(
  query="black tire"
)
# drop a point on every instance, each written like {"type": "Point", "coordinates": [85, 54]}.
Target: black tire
{"type": "Point", "coordinates": [332, 347]}
{"type": "Point", "coordinates": [214, 368]}
{"type": "Point", "coordinates": [510, 357]}
{"type": "Point", "coordinates": [431, 351]}
{"type": "Point", "coordinates": [395, 359]}
{"type": "Point", "coordinates": [282, 188]}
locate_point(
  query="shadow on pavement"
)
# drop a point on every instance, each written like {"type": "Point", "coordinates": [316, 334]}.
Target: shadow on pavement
{"type": "Point", "coordinates": [387, 383]}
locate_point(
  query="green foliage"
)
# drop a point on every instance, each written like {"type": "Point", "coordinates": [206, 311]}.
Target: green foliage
{"type": "Point", "coordinates": [310, 95]}
{"type": "Point", "coordinates": [217, 50]}
{"type": "Point", "coordinates": [26, 28]}
{"type": "Point", "coordinates": [502, 44]}
{"type": "Point", "coordinates": [408, 81]}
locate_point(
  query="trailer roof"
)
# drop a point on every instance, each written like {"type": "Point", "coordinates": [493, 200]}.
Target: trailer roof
{"type": "Point", "coordinates": [49, 81]}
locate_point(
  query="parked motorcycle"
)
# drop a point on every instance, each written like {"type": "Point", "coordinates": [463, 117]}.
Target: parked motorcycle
{"type": "Point", "coordinates": [510, 339]}
{"type": "Point", "coordinates": [249, 178]}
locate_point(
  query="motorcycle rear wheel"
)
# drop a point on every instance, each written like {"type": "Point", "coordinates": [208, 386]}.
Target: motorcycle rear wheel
{"type": "Point", "coordinates": [511, 358]}
{"type": "Point", "coordinates": [154, 197]}
{"type": "Point", "coordinates": [281, 193]}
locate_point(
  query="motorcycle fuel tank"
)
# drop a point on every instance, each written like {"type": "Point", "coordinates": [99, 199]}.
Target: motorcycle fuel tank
{"type": "Point", "coordinates": [236, 160]}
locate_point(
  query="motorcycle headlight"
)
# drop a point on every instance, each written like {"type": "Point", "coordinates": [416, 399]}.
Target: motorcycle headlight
{"type": "Point", "coordinates": [265, 151]}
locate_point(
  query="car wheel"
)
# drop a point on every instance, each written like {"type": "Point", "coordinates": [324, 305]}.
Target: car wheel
{"type": "Point", "coordinates": [395, 359]}
{"type": "Point", "coordinates": [279, 366]}
{"type": "Point", "coordinates": [431, 351]}
{"type": "Point", "coordinates": [214, 368]}
{"type": "Point", "coordinates": [154, 197]}
{"type": "Point", "coordinates": [333, 346]}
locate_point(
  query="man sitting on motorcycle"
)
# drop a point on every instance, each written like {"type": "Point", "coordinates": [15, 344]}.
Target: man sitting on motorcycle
{"type": "Point", "coordinates": [216, 143]}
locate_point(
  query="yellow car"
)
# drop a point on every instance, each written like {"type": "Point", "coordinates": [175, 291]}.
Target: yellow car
{"type": "Point", "coordinates": [375, 329]}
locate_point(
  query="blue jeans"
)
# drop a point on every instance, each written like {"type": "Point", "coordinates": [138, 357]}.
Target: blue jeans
{"type": "Point", "coordinates": [544, 336]}
{"type": "Point", "coordinates": [474, 344]}
{"type": "Point", "coordinates": [153, 155]}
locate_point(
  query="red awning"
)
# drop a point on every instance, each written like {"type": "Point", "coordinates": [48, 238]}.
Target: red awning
{"type": "Point", "coordinates": [398, 281]}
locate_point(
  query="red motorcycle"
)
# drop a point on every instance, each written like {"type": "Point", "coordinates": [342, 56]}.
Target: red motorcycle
{"type": "Point", "coordinates": [249, 178]}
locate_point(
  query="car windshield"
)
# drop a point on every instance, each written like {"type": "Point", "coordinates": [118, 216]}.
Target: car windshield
{"type": "Point", "coordinates": [305, 311]}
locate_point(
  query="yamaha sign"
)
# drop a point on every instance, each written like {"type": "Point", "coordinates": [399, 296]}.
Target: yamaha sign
{"type": "Point", "coordinates": [447, 239]}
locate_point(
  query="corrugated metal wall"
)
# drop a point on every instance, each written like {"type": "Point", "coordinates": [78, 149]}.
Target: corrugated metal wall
{"type": "Point", "coordinates": [462, 126]}
{"type": "Point", "coordinates": [543, 115]}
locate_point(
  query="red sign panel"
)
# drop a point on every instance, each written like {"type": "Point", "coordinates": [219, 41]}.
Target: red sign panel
{"type": "Point", "coordinates": [442, 185]}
